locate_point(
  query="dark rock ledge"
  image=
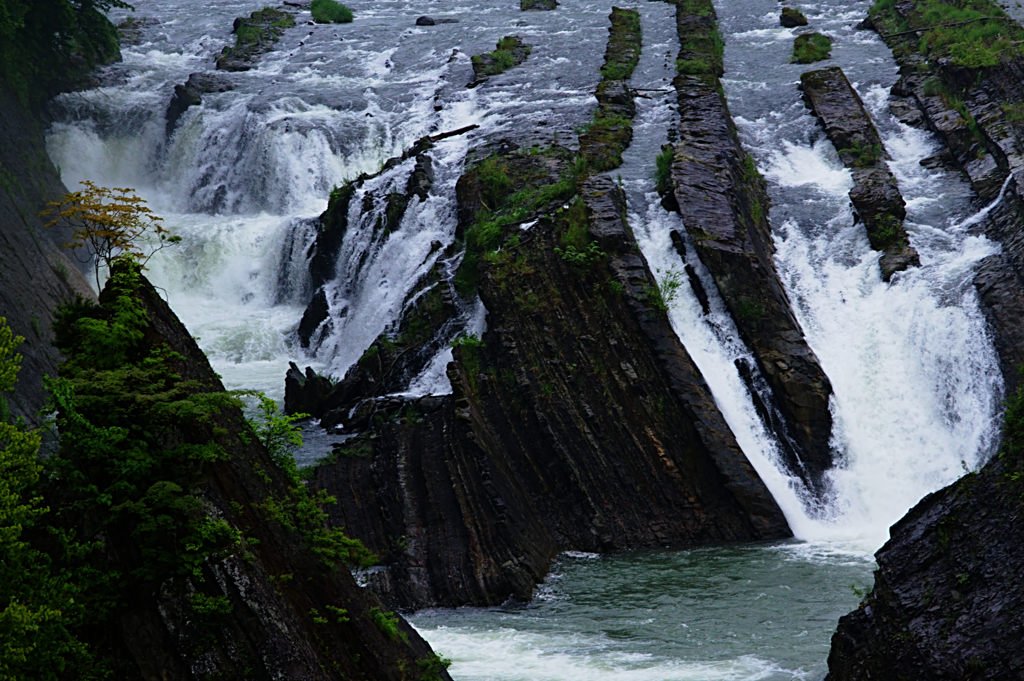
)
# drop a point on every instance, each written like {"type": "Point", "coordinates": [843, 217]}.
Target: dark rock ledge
{"type": "Point", "coordinates": [724, 205]}
{"type": "Point", "coordinates": [876, 198]}
{"type": "Point", "coordinates": [510, 51]}
{"type": "Point", "coordinates": [255, 35]}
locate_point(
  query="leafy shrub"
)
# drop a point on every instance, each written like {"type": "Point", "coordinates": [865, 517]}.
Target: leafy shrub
{"type": "Point", "coordinates": [330, 12]}
{"type": "Point", "coordinates": [387, 622]}
{"type": "Point", "coordinates": [48, 44]}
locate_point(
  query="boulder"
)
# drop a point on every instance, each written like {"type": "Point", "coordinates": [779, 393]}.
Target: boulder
{"type": "Point", "coordinates": [543, 5]}
{"type": "Point", "coordinates": [191, 94]}
{"type": "Point", "coordinates": [792, 17]}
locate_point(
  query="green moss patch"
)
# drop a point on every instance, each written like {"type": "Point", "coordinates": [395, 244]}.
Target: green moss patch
{"type": "Point", "coordinates": [810, 48]}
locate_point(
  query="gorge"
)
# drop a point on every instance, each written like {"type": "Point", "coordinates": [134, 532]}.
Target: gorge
{"type": "Point", "coordinates": [647, 415]}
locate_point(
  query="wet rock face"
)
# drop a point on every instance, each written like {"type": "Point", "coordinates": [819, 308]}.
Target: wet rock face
{"type": "Point", "coordinates": [255, 35]}
{"type": "Point", "coordinates": [875, 196]}
{"type": "Point", "coordinates": [36, 275]}
{"type": "Point", "coordinates": [975, 113]}
{"type": "Point", "coordinates": [724, 206]}
{"type": "Point", "coordinates": [191, 94]}
{"type": "Point", "coordinates": [578, 421]}
{"type": "Point", "coordinates": [947, 602]}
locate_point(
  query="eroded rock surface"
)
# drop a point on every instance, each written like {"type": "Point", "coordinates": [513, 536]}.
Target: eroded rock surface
{"type": "Point", "coordinates": [255, 35]}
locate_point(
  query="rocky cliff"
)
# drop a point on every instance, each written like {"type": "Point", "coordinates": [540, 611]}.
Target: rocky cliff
{"type": "Point", "coordinates": [577, 420]}
{"type": "Point", "coordinates": [724, 205]}
{"type": "Point", "coordinates": [35, 274]}
{"type": "Point", "coordinates": [947, 602]}
{"type": "Point", "coordinates": [217, 561]}
{"type": "Point", "coordinates": [975, 113]}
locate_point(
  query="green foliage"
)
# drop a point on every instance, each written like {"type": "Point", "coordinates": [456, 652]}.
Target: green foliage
{"type": "Point", "coordinates": [864, 155]}
{"type": "Point", "coordinates": [624, 45]}
{"type": "Point", "coordinates": [210, 606]}
{"type": "Point", "coordinates": [330, 12]}
{"type": "Point", "coordinates": [503, 58]}
{"type": "Point", "coordinates": [48, 44]}
{"type": "Point", "coordinates": [469, 348]}
{"type": "Point", "coordinates": [811, 47]}
{"type": "Point", "coordinates": [300, 510]}
{"type": "Point", "coordinates": [1013, 112]}
{"type": "Point", "coordinates": [39, 611]}
{"type": "Point", "coordinates": [750, 173]}
{"type": "Point", "coordinates": [887, 232]}
{"type": "Point", "coordinates": [277, 432]}
{"type": "Point", "coordinates": [487, 233]}
{"type": "Point", "coordinates": [387, 622]}
{"type": "Point", "coordinates": [580, 258]}
{"type": "Point", "coordinates": [663, 169]}
{"type": "Point", "coordinates": [432, 666]}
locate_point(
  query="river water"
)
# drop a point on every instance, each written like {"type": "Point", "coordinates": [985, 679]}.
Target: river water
{"type": "Point", "coordinates": [916, 383]}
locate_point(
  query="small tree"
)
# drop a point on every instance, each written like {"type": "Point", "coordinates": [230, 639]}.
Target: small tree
{"type": "Point", "coordinates": [109, 223]}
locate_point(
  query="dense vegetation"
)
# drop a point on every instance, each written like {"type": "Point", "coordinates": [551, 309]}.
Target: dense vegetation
{"type": "Point", "coordinates": [973, 33]}
{"type": "Point", "coordinates": [49, 44]}
{"type": "Point", "coordinates": [330, 12]}
{"type": "Point", "coordinates": [111, 514]}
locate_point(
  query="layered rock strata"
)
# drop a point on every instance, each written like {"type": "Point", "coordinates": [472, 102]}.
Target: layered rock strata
{"type": "Point", "coordinates": [578, 421]}
{"type": "Point", "coordinates": [974, 112]}
{"type": "Point", "coordinates": [611, 131]}
{"type": "Point", "coordinates": [875, 196]}
{"type": "Point", "coordinates": [724, 206]}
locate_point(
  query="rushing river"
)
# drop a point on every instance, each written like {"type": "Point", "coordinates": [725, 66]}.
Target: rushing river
{"type": "Point", "coordinates": [916, 382]}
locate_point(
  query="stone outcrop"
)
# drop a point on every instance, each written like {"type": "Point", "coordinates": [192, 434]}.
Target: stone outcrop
{"type": "Point", "coordinates": [875, 196]}
{"type": "Point", "coordinates": [611, 131]}
{"type": "Point", "coordinates": [190, 93]}
{"type": "Point", "coordinates": [577, 421]}
{"type": "Point", "coordinates": [36, 275]}
{"type": "Point", "coordinates": [724, 206]}
{"type": "Point", "coordinates": [510, 51]}
{"type": "Point", "coordinates": [285, 612]}
{"type": "Point", "coordinates": [792, 17]}
{"type": "Point", "coordinates": [543, 5]}
{"type": "Point", "coordinates": [255, 35]}
{"type": "Point", "coordinates": [431, 21]}
{"type": "Point", "coordinates": [947, 602]}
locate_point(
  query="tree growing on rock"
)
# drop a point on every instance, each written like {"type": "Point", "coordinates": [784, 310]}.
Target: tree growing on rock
{"type": "Point", "coordinates": [109, 223]}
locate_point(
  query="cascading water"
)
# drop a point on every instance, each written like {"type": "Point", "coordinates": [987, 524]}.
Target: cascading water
{"type": "Point", "coordinates": [244, 176]}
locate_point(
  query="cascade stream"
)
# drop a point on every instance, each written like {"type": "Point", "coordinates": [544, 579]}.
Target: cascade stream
{"type": "Point", "coordinates": [243, 177]}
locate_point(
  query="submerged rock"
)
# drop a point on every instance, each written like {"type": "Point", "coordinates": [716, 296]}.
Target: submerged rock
{"type": "Point", "coordinates": [511, 51]}
{"type": "Point", "coordinates": [526, 5]}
